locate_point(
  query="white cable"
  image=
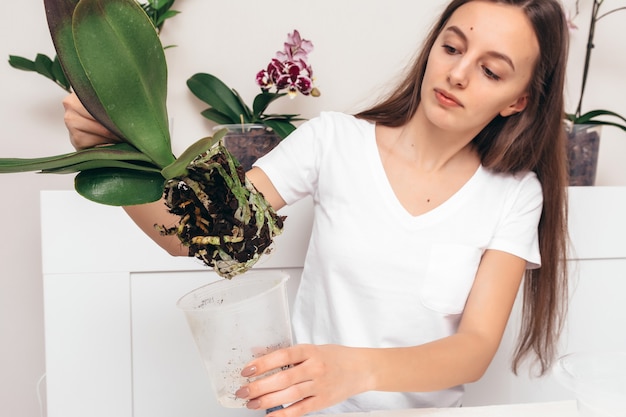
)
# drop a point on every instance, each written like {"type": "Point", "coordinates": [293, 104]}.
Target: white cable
{"type": "Point", "coordinates": [41, 413]}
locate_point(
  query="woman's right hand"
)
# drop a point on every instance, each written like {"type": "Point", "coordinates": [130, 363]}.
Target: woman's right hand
{"type": "Point", "coordinates": [85, 131]}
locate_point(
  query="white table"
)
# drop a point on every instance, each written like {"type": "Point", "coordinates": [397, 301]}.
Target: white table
{"type": "Point", "coordinates": [547, 409]}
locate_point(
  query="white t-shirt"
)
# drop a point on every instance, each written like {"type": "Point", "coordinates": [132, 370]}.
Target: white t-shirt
{"type": "Point", "coordinates": [376, 276]}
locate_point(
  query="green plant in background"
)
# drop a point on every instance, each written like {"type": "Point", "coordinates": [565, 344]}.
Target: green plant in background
{"type": "Point", "coordinates": [289, 71]}
{"type": "Point", "coordinates": [44, 65]}
{"type": "Point", "coordinates": [157, 10]}
{"type": "Point", "coordinates": [592, 117]}
{"type": "Point", "coordinates": [112, 57]}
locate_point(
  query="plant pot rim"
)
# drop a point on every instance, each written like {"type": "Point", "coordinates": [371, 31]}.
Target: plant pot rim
{"type": "Point", "coordinates": [240, 127]}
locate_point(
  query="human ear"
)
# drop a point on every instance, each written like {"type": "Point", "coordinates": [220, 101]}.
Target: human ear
{"type": "Point", "coordinates": [516, 107]}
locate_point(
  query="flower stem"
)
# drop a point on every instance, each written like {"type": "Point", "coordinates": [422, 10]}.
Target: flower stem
{"type": "Point", "coordinates": [610, 12]}
{"type": "Point", "coordinates": [590, 46]}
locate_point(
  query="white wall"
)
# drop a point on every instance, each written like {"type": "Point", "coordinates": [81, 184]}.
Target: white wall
{"type": "Point", "coordinates": [31, 124]}
{"type": "Point", "coordinates": [360, 45]}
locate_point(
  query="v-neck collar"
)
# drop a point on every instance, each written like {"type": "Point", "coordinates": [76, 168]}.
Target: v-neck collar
{"type": "Point", "coordinates": [381, 181]}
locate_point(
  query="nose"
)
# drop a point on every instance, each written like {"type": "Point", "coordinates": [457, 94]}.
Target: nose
{"type": "Point", "coordinates": [459, 75]}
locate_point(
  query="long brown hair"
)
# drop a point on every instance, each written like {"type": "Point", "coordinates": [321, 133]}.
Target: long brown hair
{"type": "Point", "coordinates": [531, 140]}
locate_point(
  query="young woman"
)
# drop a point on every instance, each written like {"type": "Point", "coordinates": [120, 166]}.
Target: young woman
{"type": "Point", "coordinates": [430, 209]}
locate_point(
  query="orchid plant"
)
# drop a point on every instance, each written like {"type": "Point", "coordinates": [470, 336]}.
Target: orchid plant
{"type": "Point", "coordinates": [592, 117]}
{"type": "Point", "coordinates": [288, 74]}
{"type": "Point", "coordinates": [157, 10]}
{"type": "Point", "coordinates": [112, 56]}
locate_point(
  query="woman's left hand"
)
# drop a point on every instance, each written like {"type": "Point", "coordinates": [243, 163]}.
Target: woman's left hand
{"type": "Point", "coordinates": [318, 377]}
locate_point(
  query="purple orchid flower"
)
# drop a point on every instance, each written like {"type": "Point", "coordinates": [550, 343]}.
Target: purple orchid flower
{"type": "Point", "coordinates": [295, 49]}
{"type": "Point", "coordinates": [289, 70]}
{"type": "Point", "coordinates": [294, 77]}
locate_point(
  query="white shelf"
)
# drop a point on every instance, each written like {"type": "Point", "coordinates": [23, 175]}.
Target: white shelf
{"type": "Point", "coordinates": [597, 222]}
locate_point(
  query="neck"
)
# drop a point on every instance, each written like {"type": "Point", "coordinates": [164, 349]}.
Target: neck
{"type": "Point", "coordinates": [431, 149]}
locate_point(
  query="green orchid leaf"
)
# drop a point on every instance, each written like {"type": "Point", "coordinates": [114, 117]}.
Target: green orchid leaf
{"type": "Point", "coordinates": [281, 127]}
{"type": "Point", "coordinates": [101, 163]}
{"type": "Point", "coordinates": [119, 187]}
{"type": "Point", "coordinates": [248, 117]}
{"type": "Point", "coordinates": [216, 94]}
{"type": "Point", "coordinates": [59, 14]}
{"type": "Point", "coordinates": [618, 125]}
{"type": "Point", "coordinates": [117, 152]}
{"type": "Point", "coordinates": [261, 101]}
{"type": "Point", "coordinates": [596, 113]}
{"type": "Point", "coordinates": [179, 167]}
{"type": "Point", "coordinates": [283, 117]}
{"type": "Point", "coordinates": [216, 116]}
{"type": "Point", "coordinates": [591, 118]}
{"type": "Point", "coordinates": [603, 123]}
{"type": "Point", "coordinates": [124, 60]}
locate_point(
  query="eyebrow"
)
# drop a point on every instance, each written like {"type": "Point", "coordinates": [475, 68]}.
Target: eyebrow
{"type": "Point", "coordinates": [494, 54]}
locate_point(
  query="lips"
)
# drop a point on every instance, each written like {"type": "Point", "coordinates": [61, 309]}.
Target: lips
{"type": "Point", "coordinates": [447, 99]}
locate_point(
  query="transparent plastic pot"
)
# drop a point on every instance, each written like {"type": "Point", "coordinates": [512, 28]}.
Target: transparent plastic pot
{"type": "Point", "coordinates": [248, 142]}
{"type": "Point", "coordinates": [235, 321]}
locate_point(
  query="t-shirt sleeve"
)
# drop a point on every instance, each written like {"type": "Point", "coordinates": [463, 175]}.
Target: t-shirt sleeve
{"type": "Point", "coordinates": [517, 232]}
{"type": "Point", "coordinates": [293, 166]}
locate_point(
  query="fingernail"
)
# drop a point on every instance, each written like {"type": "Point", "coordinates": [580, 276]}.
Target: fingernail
{"type": "Point", "coordinates": [249, 371]}
{"type": "Point", "coordinates": [242, 392]}
{"type": "Point", "coordinates": [254, 404]}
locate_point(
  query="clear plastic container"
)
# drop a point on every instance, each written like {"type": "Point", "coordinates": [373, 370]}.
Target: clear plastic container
{"type": "Point", "coordinates": [598, 379]}
{"type": "Point", "coordinates": [248, 142]}
{"type": "Point", "coordinates": [235, 321]}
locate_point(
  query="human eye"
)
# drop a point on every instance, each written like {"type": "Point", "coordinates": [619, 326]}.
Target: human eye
{"type": "Point", "coordinates": [451, 50]}
{"type": "Point", "coordinates": [490, 74]}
